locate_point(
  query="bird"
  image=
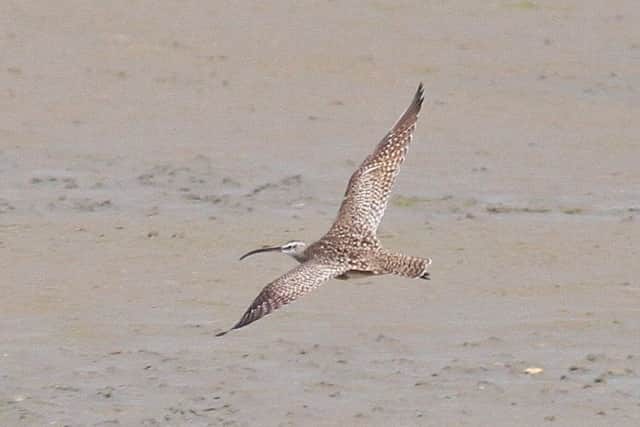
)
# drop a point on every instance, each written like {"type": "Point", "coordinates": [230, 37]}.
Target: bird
{"type": "Point", "coordinates": [350, 248]}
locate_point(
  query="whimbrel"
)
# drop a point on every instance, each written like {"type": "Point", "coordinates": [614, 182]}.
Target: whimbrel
{"type": "Point", "coordinates": [350, 248]}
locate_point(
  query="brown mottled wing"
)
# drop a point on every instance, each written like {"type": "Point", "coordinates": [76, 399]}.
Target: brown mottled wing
{"type": "Point", "coordinates": [285, 289]}
{"type": "Point", "coordinates": [370, 185]}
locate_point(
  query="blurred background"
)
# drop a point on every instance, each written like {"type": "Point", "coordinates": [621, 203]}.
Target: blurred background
{"type": "Point", "coordinates": [145, 145]}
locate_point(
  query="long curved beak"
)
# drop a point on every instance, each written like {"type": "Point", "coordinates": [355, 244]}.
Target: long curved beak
{"type": "Point", "coordinates": [257, 251]}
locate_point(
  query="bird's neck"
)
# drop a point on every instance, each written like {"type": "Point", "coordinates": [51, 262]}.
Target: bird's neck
{"type": "Point", "coordinates": [300, 257]}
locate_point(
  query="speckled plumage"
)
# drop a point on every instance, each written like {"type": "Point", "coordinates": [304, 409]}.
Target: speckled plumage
{"type": "Point", "coordinates": [350, 248]}
{"type": "Point", "coordinates": [370, 185]}
{"type": "Point", "coordinates": [286, 288]}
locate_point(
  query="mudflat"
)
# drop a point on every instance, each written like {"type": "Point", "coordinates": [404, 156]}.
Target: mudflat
{"type": "Point", "coordinates": [144, 147]}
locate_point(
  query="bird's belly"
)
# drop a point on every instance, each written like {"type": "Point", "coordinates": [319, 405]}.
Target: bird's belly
{"type": "Point", "coordinates": [355, 274]}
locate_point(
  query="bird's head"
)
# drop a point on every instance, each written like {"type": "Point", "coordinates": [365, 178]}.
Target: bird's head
{"type": "Point", "coordinates": [294, 248]}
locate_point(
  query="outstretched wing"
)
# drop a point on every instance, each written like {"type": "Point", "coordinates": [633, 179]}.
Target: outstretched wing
{"type": "Point", "coordinates": [285, 289]}
{"type": "Point", "coordinates": [370, 185]}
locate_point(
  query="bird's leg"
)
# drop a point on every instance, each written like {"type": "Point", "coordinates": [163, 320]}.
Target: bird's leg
{"type": "Point", "coordinates": [404, 265]}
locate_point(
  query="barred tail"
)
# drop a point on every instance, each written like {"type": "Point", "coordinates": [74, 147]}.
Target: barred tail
{"type": "Point", "coordinates": [404, 265]}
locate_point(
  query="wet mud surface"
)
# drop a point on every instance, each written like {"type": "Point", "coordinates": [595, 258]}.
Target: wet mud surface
{"type": "Point", "coordinates": [142, 152]}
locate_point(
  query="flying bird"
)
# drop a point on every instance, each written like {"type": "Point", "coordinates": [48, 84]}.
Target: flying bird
{"type": "Point", "coordinates": [350, 248]}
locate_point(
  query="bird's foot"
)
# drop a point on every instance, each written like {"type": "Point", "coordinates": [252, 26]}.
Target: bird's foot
{"type": "Point", "coordinates": [425, 275]}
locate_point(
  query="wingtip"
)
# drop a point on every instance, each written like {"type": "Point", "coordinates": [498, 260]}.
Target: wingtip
{"type": "Point", "coordinates": [419, 98]}
{"type": "Point", "coordinates": [236, 326]}
{"type": "Point", "coordinates": [416, 105]}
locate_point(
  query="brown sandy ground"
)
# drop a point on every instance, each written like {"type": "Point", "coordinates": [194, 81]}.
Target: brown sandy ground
{"type": "Point", "coordinates": [145, 145]}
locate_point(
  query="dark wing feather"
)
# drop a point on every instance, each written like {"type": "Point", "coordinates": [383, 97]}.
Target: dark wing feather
{"type": "Point", "coordinates": [370, 185]}
{"type": "Point", "coordinates": [285, 289]}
